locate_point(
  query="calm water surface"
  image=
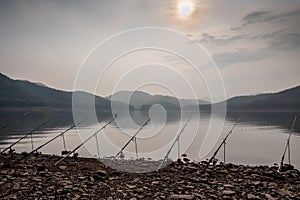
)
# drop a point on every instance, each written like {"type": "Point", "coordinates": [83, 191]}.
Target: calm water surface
{"type": "Point", "coordinates": [259, 139]}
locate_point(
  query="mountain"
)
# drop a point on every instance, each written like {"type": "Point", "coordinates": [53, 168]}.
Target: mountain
{"type": "Point", "coordinates": [285, 100]}
{"type": "Point", "coordinates": [25, 94]}
{"type": "Point", "coordinates": [136, 99]}
{"type": "Point", "coordinates": [143, 101]}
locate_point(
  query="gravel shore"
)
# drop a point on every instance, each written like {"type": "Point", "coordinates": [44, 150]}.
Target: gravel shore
{"type": "Point", "coordinates": [85, 178]}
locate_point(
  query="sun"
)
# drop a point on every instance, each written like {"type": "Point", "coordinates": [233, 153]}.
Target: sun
{"type": "Point", "coordinates": [185, 8]}
{"type": "Point", "coordinates": [187, 12]}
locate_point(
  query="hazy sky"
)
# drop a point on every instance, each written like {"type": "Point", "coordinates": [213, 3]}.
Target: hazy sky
{"type": "Point", "coordinates": [255, 44]}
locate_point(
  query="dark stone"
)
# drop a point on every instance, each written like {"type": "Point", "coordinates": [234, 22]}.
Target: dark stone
{"type": "Point", "coordinates": [40, 167]}
{"type": "Point", "coordinates": [286, 167]}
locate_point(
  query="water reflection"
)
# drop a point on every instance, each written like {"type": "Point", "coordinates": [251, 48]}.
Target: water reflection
{"type": "Point", "coordinates": [262, 130]}
{"type": "Point", "coordinates": [32, 121]}
{"type": "Point", "coordinates": [281, 120]}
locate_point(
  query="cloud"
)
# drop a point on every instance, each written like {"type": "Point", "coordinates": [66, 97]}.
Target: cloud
{"type": "Point", "coordinates": [265, 16]}
{"type": "Point", "coordinates": [220, 40]}
{"type": "Point", "coordinates": [270, 35]}
{"type": "Point", "coordinates": [228, 40]}
{"type": "Point", "coordinates": [239, 56]}
{"type": "Point", "coordinates": [259, 16]}
{"type": "Point", "coordinates": [286, 41]}
{"type": "Point", "coordinates": [279, 42]}
{"type": "Point", "coordinates": [278, 37]}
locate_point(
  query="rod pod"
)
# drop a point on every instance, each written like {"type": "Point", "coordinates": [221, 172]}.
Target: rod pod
{"type": "Point", "coordinates": [222, 143]}
{"type": "Point", "coordinates": [13, 144]}
{"type": "Point", "coordinates": [103, 127]}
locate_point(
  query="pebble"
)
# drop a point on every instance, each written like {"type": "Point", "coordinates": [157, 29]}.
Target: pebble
{"type": "Point", "coordinates": [228, 192]}
{"type": "Point", "coordinates": [181, 196]}
{"type": "Point", "coordinates": [37, 179]}
{"type": "Point", "coordinates": [101, 173]}
{"type": "Point", "coordinates": [68, 187]}
{"type": "Point", "coordinates": [252, 196]}
{"type": "Point", "coordinates": [269, 197]}
{"type": "Point", "coordinates": [16, 186]}
{"type": "Point", "coordinates": [131, 186]}
{"type": "Point", "coordinates": [62, 167]}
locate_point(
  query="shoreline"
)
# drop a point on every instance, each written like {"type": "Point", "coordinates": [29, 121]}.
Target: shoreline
{"type": "Point", "coordinates": [87, 178]}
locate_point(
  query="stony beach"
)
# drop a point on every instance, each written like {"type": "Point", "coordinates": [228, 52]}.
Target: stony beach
{"type": "Point", "coordinates": [37, 177]}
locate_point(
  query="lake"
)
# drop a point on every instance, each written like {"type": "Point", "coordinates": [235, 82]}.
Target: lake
{"type": "Point", "coordinates": [258, 139]}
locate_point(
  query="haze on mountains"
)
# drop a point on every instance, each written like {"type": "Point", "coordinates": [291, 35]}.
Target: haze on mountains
{"type": "Point", "coordinates": [27, 95]}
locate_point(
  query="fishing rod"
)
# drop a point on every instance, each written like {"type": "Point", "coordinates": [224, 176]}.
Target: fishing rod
{"type": "Point", "coordinates": [177, 138]}
{"type": "Point", "coordinates": [84, 141]}
{"type": "Point", "coordinates": [223, 142]}
{"type": "Point", "coordinates": [62, 133]}
{"type": "Point", "coordinates": [97, 146]}
{"type": "Point", "coordinates": [13, 121]}
{"type": "Point", "coordinates": [131, 139]}
{"type": "Point", "coordinates": [9, 147]}
{"type": "Point", "coordinates": [136, 148]}
{"type": "Point", "coordinates": [287, 145]}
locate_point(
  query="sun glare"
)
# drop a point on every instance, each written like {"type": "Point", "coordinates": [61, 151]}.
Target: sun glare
{"type": "Point", "coordinates": [185, 8]}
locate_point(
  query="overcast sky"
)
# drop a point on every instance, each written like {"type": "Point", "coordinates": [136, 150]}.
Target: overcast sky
{"type": "Point", "coordinates": [255, 44]}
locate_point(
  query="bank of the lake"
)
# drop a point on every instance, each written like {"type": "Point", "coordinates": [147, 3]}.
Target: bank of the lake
{"type": "Point", "coordinates": [37, 177]}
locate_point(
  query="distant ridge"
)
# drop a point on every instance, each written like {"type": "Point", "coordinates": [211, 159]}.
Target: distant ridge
{"type": "Point", "coordinates": [25, 94]}
{"type": "Point", "coordinates": [28, 95]}
{"type": "Point", "coordinates": [285, 100]}
{"type": "Point", "coordinates": [143, 101]}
